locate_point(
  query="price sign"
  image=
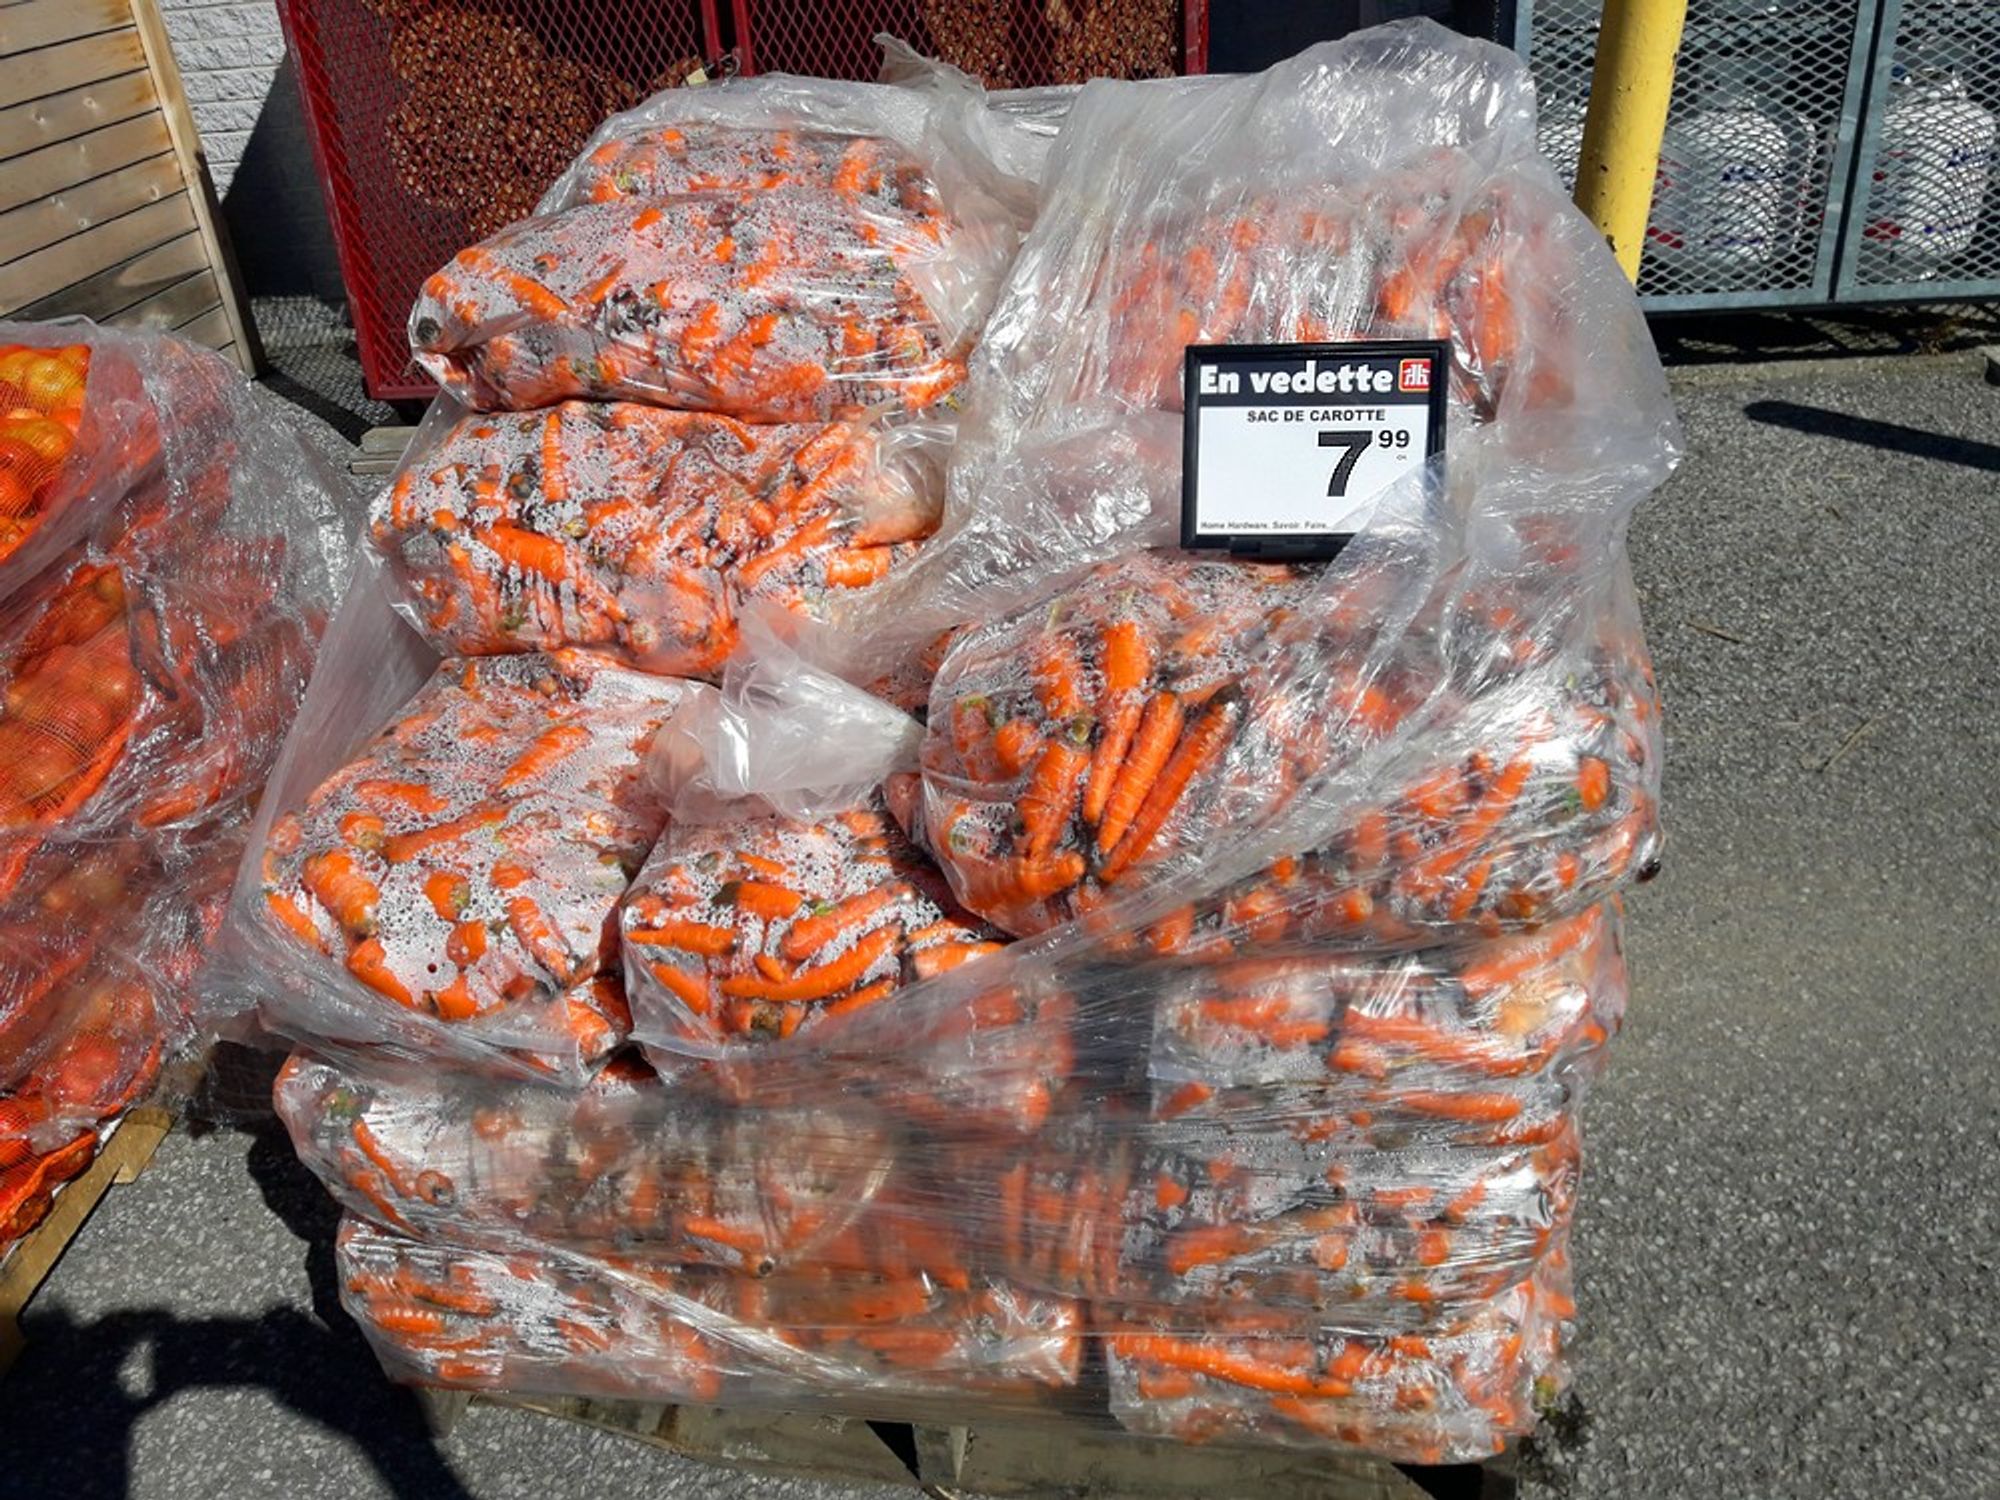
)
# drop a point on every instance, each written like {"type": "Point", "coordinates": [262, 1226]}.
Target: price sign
{"type": "Point", "coordinates": [1287, 445]}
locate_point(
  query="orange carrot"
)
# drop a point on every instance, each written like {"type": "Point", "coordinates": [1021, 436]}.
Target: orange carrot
{"type": "Point", "coordinates": [823, 980]}
{"type": "Point", "coordinates": [550, 748]}
{"type": "Point", "coordinates": [812, 933]}
{"type": "Point", "coordinates": [1158, 731]}
{"type": "Point", "coordinates": [1200, 745]}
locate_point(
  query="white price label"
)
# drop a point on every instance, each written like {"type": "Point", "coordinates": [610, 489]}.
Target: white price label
{"type": "Point", "coordinates": [1288, 445]}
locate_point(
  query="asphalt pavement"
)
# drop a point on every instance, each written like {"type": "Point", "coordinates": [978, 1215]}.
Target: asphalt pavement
{"type": "Point", "coordinates": [1786, 1245]}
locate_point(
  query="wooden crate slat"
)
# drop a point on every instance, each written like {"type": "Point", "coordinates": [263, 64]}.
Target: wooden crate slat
{"type": "Point", "coordinates": [60, 215]}
{"type": "Point", "coordinates": [41, 23]}
{"type": "Point", "coordinates": [211, 328]}
{"type": "Point", "coordinates": [74, 112]}
{"type": "Point", "coordinates": [35, 276]}
{"type": "Point", "coordinates": [53, 168]}
{"type": "Point", "coordinates": [194, 166]}
{"type": "Point", "coordinates": [69, 65]}
{"type": "Point", "coordinates": [109, 293]}
{"type": "Point", "coordinates": [181, 303]}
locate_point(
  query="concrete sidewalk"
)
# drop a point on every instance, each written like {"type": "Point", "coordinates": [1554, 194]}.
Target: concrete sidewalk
{"type": "Point", "coordinates": [1786, 1247]}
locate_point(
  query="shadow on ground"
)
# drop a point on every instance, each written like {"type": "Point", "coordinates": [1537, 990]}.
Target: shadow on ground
{"type": "Point", "coordinates": [117, 1368]}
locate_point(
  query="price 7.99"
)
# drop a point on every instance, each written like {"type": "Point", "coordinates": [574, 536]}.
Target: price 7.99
{"type": "Point", "coordinates": [1355, 442]}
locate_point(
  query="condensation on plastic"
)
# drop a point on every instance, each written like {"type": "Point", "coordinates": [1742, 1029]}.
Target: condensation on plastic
{"type": "Point", "coordinates": [453, 888]}
{"type": "Point", "coordinates": [1387, 185]}
{"type": "Point", "coordinates": [775, 248]}
{"type": "Point", "coordinates": [782, 894]}
{"type": "Point", "coordinates": [643, 533]}
{"type": "Point", "coordinates": [157, 630]}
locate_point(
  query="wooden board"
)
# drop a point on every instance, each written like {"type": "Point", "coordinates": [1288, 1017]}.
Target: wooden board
{"type": "Point", "coordinates": [28, 1263]}
{"type": "Point", "coordinates": [106, 209]}
{"type": "Point", "coordinates": [1068, 1456]}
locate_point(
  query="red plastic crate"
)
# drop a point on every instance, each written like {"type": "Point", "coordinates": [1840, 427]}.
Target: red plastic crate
{"type": "Point", "coordinates": [387, 238]}
{"type": "Point", "coordinates": [836, 38]}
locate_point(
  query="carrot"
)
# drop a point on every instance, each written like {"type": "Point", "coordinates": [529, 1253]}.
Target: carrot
{"type": "Point", "coordinates": [689, 937]}
{"type": "Point", "coordinates": [550, 749]}
{"type": "Point", "coordinates": [1593, 782]}
{"type": "Point", "coordinates": [690, 989]}
{"type": "Point", "coordinates": [1127, 665]}
{"type": "Point", "coordinates": [823, 980]}
{"type": "Point", "coordinates": [1016, 744]}
{"type": "Point", "coordinates": [333, 880]}
{"type": "Point", "coordinates": [944, 957]}
{"type": "Point", "coordinates": [814, 932]}
{"type": "Point", "coordinates": [1050, 793]}
{"type": "Point", "coordinates": [1244, 1370]}
{"type": "Point", "coordinates": [1058, 677]}
{"type": "Point", "coordinates": [448, 894]}
{"type": "Point", "coordinates": [555, 487]}
{"type": "Point", "coordinates": [1200, 745]}
{"type": "Point", "coordinates": [761, 899]}
{"type": "Point", "coordinates": [541, 938]}
{"type": "Point", "coordinates": [292, 919]}
{"type": "Point", "coordinates": [404, 847]}
{"type": "Point", "coordinates": [369, 964]}
{"type": "Point", "coordinates": [1158, 731]}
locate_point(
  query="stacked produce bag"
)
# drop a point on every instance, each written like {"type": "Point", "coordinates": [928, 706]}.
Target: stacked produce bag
{"type": "Point", "coordinates": [169, 550]}
{"type": "Point", "coordinates": [830, 910]}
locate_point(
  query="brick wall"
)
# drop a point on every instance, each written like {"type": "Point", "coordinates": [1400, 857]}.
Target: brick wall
{"type": "Point", "coordinates": [228, 51]}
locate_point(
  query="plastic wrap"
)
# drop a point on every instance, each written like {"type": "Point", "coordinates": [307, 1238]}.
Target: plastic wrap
{"type": "Point", "coordinates": [1386, 185]}
{"type": "Point", "coordinates": [1314, 868]}
{"type": "Point", "coordinates": [779, 249]}
{"type": "Point", "coordinates": [560, 1321]}
{"type": "Point", "coordinates": [642, 533]}
{"type": "Point", "coordinates": [1162, 699]}
{"type": "Point", "coordinates": [455, 886]}
{"type": "Point", "coordinates": [159, 613]}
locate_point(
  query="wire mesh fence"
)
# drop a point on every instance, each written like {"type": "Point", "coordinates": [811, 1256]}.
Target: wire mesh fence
{"type": "Point", "coordinates": [1759, 144]}
{"type": "Point", "coordinates": [1927, 220]}
{"type": "Point", "coordinates": [434, 122]}
{"type": "Point", "coordinates": [1005, 43]}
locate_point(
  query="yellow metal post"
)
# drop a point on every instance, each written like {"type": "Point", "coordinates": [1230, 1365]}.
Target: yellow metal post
{"type": "Point", "coordinates": [1629, 90]}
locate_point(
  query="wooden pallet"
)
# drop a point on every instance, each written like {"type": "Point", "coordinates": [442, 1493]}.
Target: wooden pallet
{"type": "Point", "coordinates": [106, 209]}
{"type": "Point", "coordinates": [121, 1158]}
{"type": "Point", "coordinates": [1068, 1456]}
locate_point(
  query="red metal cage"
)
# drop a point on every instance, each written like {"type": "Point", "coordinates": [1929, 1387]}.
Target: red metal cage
{"type": "Point", "coordinates": [1008, 43]}
{"type": "Point", "coordinates": [432, 119]}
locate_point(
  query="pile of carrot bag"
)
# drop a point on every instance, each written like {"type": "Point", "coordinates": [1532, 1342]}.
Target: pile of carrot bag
{"type": "Point", "coordinates": [788, 887]}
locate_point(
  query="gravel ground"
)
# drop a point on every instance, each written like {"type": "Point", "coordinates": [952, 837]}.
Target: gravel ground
{"type": "Point", "coordinates": [1786, 1244]}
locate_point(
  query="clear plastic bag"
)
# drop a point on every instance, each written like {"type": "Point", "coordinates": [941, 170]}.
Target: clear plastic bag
{"type": "Point", "coordinates": [454, 887]}
{"type": "Point", "coordinates": [782, 894]}
{"type": "Point", "coordinates": [1387, 185]}
{"type": "Point", "coordinates": [555, 1320]}
{"type": "Point", "coordinates": [642, 533]}
{"type": "Point", "coordinates": [778, 249]}
{"type": "Point", "coordinates": [159, 613]}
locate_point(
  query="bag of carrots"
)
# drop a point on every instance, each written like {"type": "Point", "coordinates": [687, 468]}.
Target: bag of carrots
{"type": "Point", "coordinates": [783, 895]}
{"type": "Point", "coordinates": [1456, 1392]}
{"type": "Point", "coordinates": [634, 1327]}
{"type": "Point", "coordinates": [453, 889]}
{"type": "Point", "coordinates": [772, 249]}
{"type": "Point", "coordinates": [642, 533]}
{"type": "Point", "coordinates": [622, 1162]}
